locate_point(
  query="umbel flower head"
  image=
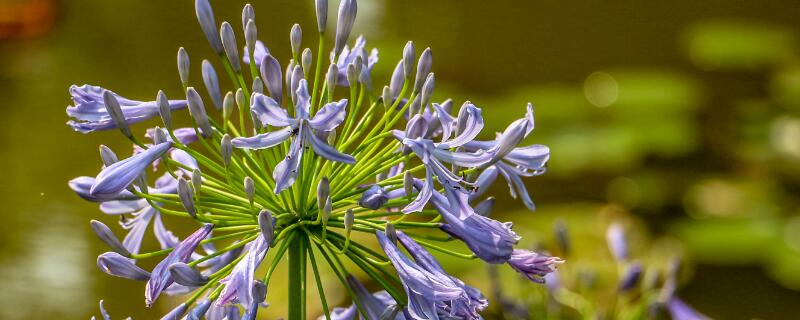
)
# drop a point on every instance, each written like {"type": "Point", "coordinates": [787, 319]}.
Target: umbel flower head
{"type": "Point", "coordinates": [291, 160]}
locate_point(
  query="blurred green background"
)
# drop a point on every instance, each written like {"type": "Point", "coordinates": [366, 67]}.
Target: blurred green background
{"type": "Point", "coordinates": [681, 118]}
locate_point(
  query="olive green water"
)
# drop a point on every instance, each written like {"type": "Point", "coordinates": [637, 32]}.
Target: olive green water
{"type": "Point", "coordinates": [681, 114]}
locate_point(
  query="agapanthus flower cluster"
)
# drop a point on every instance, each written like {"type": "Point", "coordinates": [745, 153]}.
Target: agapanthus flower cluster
{"type": "Point", "coordinates": [296, 157]}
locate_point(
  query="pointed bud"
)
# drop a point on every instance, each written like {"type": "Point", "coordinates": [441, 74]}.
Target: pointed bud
{"type": "Point", "coordinates": [115, 111]}
{"type": "Point", "coordinates": [114, 264]}
{"type": "Point", "coordinates": [305, 60]}
{"type": "Point", "coordinates": [398, 79]}
{"type": "Point", "coordinates": [108, 156]}
{"type": "Point", "coordinates": [562, 237]}
{"type": "Point", "coordinates": [391, 233]}
{"type": "Point", "coordinates": [249, 188]}
{"type": "Point", "coordinates": [326, 210]}
{"type": "Point", "coordinates": [226, 148]}
{"type": "Point", "coordinates": [484, 208]}
{"type": "Point", "coordinates": [164, 110]}
{"type": "Point", "coordinates": [206, 18]}
{"type": "Point", "coordinates": [297, 75]}
{"type": "Point", "coordinates": [415, 106]}
{"type": "Point", "coordinates": [387, 98]}
{"type": "Point", "coordinates": [349, 219]}
{"type": "Point", "coordinates": [409, 55]}
{"type": "Point", "coordinates": [271, 73]}
{"type": "Point", "coordinates": [183, 66]}
{"type": "Point", "coordinates": [198, 111]}
{"type": "Point", "coordinates": [427, 90]}
{"type": "Point", "coordinates": [240, 99]}
{"type": "Point", "coordinates": [423, 68]}
{"type": "Point", "coordinates": [358, 63]}
{"type": "Point", "coordinates": [258, 85]}
{"type": "Point", "coordinates": [366, 79]}
{"type": "Point", "coordinates": [289, 73]}
{"type": "Point", "coordinates": [416, 127]}
{"type": "Point", "coordinates": [248, 13]}
{"type": "Point", "coordinates": [408, 183]}
{"type": "Point", "coordinates": [159, 136]}
{"type": "Point", "coordinates": [322, 15]}
{"type": "Point", "coordinates": [250, 36]}
{"type": "Point", "coordinates": [296, 39]}
{"type": "Point", "coordinates": [227, 105]}
{"type": "Point", "coordinates": [331, 78]}
{"type": "Point", "coordinates": [229, 44]}
{"type": "Point", "coordinates": [352, 75]}
{"type": "Point", "coordinates": [104, 233]}
{"type": "Point", "coordinates": [256, 122]}
{"type": "Point", "coordinates": [186, 275]}
{"type": "Point", "coordinates": [197, 180]}
{"type": "Point", "coordinates": [509, 139]}
{"type": "Point", "coordinates": [332, 138]}
{"type": "Point", "coordinates": [267, 224]}
{"type": "Point", "coordinates": [323, 192]}
{"type": "Point", "coordinates": [346, 18]}
{"type": "Point", "coordinates": [211, 81]}
{"type": "Point", "coordinates": [615, 236]}
{"type": "Point", "coordinates": [186, 195]}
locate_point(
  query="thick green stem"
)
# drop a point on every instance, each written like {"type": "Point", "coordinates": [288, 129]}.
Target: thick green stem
{"type": "Point", "coordinates": [297, 278]}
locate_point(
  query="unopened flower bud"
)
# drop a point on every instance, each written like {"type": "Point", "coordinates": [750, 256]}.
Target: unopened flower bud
{"type": "Point", "coordinates": [366, 79]}
{"type": "Point", "coordinates": [423, 68]}
{"type": "Point", "coordinates": [323, 191]}
{"type": "Point", "coordinates": [258, 85]}
{"type": "Point", "coordinates": [267, 224]}
{"type": "Point", "coordinates": [409, 55]}
{"type": "Point", "coordinates": [249, 188]}
{"type": "Point", "coordinates": [398, 79]}
{"type": "Point", "coordinates": [387, 98]}
{"type": "Point", "coordinates": [114, 264]}
{"type": "Point", "coordinates": [259, 291]}
{"type": "Point", "coordinates": [346, 18]}
{"type": "Point", "coordinates": [295, 39]}
{"type": "Point", "coordinates": [305, 60]}
{"type": "Point", "coordinates": [331, 78]}
{"type": "Point", "coordinates": [248, 13]}
{"type": "Point", "coordinates": [615, 235]}
{"type": "Point", "coordinates": [197, 180]}
{"type": "Point", "coordinates": [289, 74]}
{"type": "Point", "coordinates": [271, 74]}
{"type": "Point", "coordinates": [211, 81]}
{"type": "Point", "coordinates": [104, 233]}
{"type": "Point", "coordinates": [391, 233]}
{"type": "Point", "coordinates": [250, 36]}
{"type": "Point", "coordinates": [352, 75]}
{"type": "Point", "coordinates": [186, 195]}
{"type": "Point", "coordinates": [331, 138]}
{"type": "Point", "coordinates": [322, 15]}
{"type": "Point", "coordinates": [164, 109]}
{"type": "Point", "coordinates": [115, 111]}
{"type": "Point", "coordinates": [427, 90]}
{"type": "Point", "coordinates": [159, 135]}
{"type": "Point", "coordinates": [240, 103]}
{"type": "Point", "coordinates": [108, 156]}
{"type": "Point", "coordinates": [226, 148]}
{"type": "Point", "coordinates": [415, 107]}
{"type": "Point", "coordinates": [374, 198]}
{"type": "Point", "coordinates": [229, 44]}
{"type": "Point", "coordinates": [297, 75]}
{"type": "Point", "coordinates": [349, 219]}
{"type": "Point", "coordinates": [183, 66]}
{"type": "Point", "coordinates": [206, 18]}
{"type": "Point", "coordinates": [186, 275]}
{"type": "Point", "coordinates": [408, 183]}
{"type": "Point", "coordinates": [198, 111]}
{"type": "Point", "coordinates": [227, 105]}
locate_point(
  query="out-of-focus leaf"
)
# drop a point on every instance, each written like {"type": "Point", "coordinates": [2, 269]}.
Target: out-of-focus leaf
{"type": "Point", "coordinates": [737, 45]}
{"type": "Point", "coordinates": [730, 241]}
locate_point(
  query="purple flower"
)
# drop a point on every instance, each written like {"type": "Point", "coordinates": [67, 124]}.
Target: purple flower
{"type": "Point", "coordinates": [269, 112]}
{"type": "Point", "coordinates": [239, 283]}
{"type": "Point", "coordinates": [91, 115]}
{"type": "Point", "coordinates": [114, 264]}
{"type": "Point", "coordinates": [490, 240]}
{"type": "Point", "coordinates": [349, 55]}
{"type": "Point", "coordinates": [679, 310]}
{"type": "Point", "coordinates": [426, 291]}
{"type": "Point", "coordinates": [161, 277]}
{"type": "Point", "coordinates": [374, 304]}
{"type": "Point", "coordinates": [465, 308]}
{"type": "Point", "coordinates": [176, 313]}
{"type": "Point", "coordinates": [615, 236]}
{"type": "Point", "coordinates": [534, 266]}
{"type": "Point", "coordinates": [631, 277]}
{"type": "Point", "coordinates": [82, 186]}
{"type": "Point", "coordinates": [259, 52]}
{"type": "Point", "coordinates": [118, 176]}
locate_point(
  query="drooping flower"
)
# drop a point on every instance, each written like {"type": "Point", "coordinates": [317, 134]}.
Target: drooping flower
{"type": "Point", "coordinates": [424, 289]}
{"type": "Point", "coordinates": [374, 304]}
{"type": "Point", "coordinates": [90, 113]}
{"type": "Point", "coordinates": [118, 176]}
{"type": "Point", "coordinates": [533, 265]}
{"type": "Point", "coordinates": [114, 264]}
{"type": "Point", "coordinates": [160, 278]}
{"type": "Point", "coordinates": [239, 284]}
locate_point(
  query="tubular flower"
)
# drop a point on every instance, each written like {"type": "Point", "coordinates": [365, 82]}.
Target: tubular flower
{"type": "Point", "coordinates": [284, 164]}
